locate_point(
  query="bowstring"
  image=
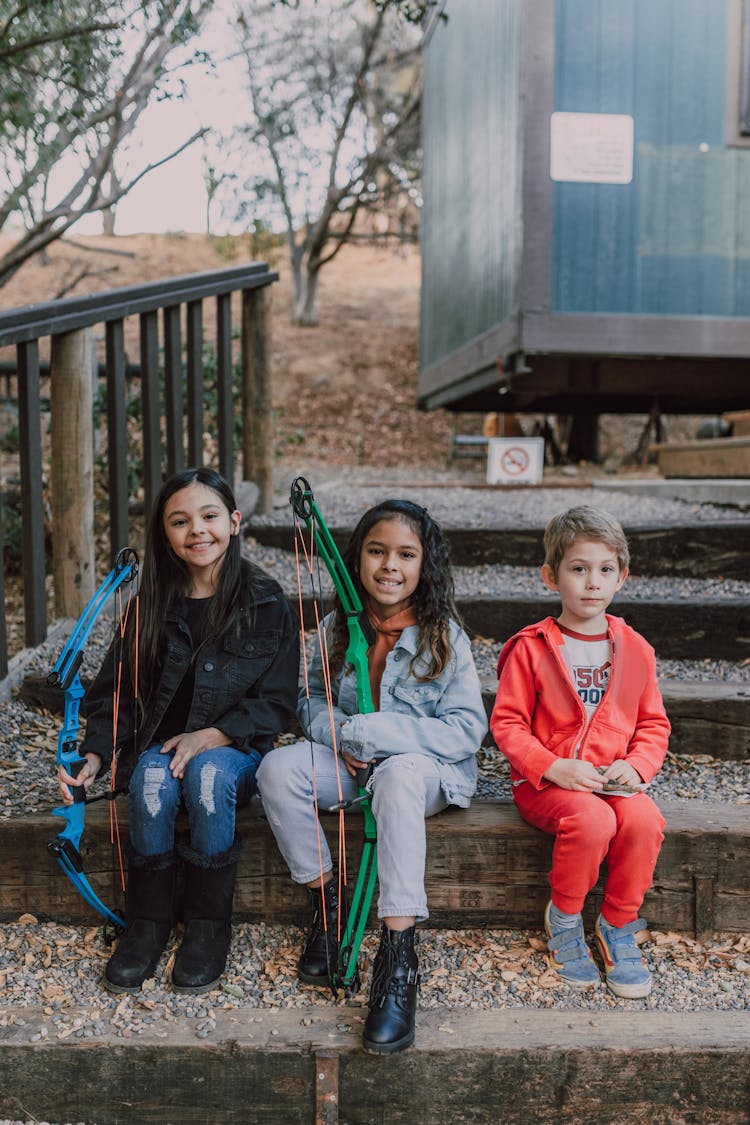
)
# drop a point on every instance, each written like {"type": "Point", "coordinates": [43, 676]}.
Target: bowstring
{"type": "Point", "coordinates": [121, 622]}
{"type": "Point", "coordinates": [313, 563]}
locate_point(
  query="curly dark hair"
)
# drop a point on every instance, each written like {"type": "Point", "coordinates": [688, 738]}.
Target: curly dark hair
{"type": "Point", "coordinates": [433, 600]}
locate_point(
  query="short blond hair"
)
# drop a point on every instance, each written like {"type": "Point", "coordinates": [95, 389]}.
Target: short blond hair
{"type": "Point", "coordinates": [583, 522]}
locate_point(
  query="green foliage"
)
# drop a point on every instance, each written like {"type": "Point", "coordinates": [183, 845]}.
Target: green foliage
{"type": "Point", "coordinates": [12, 530]}
{"type": "Point", "coordinates": [11, 440]}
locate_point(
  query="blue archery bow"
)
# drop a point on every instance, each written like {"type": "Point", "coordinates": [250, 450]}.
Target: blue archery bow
{"type": "Point", "coordinates": [361, 637]}
{"type": "Point", "coordinates": [65, 675]}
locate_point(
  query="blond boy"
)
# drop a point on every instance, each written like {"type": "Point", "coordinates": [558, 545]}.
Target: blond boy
{"type": "Point", "coordinates": [580, 717]}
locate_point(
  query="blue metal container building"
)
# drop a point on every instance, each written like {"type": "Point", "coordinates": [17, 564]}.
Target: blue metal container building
{"type": "Point", "coordinates": [586, 223]}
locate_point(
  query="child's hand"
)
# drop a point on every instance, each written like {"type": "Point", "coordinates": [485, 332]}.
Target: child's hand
{"type": "Point", "coordinates": [353, 764]}
{"type": "Point", "coordinates": [86, 775]}
{"type": "Point", "coordinates": [623, 772]}
{"type": "Point", "coordinates": [187, 746]}
{"type": "Point", "coordinates": [570, 773]}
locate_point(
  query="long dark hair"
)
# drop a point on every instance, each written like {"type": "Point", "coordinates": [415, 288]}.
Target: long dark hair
{"type": "Point", "coordinates": [165, 580]}
{"type": "Point", "coordinates": [433, 600]}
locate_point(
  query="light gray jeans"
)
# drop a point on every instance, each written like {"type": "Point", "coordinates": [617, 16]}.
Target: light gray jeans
{"type": "Point", "coordinates": [405, 790]}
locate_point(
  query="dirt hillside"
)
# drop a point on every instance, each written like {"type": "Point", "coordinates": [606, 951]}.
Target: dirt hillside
{"type": "Point", "coordinates": [344, 392]}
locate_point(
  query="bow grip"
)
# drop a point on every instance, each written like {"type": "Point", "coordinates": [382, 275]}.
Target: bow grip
{"type": "Point", "coordinates": [364, 773]}
{"type": "Point", "coordinates": [73, 764]}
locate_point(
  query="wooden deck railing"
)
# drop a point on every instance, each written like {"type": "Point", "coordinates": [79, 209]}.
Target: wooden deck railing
{"type": "Point", "coordinates": [172, 429]}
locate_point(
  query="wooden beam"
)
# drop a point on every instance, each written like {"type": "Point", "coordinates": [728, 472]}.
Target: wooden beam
{"type": "Point", "coordinates": [485, 866]}
{"type": "Point", "coordinates": [72, 470]}
{"type": "Point", "coordinates": [258, 430]}
{"type": "Point", "coordinates": [512, 1066]}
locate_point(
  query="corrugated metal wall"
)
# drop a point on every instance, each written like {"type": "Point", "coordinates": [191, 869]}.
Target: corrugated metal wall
{"type": "Point", "coordinates": [471, 225]}
{"type": "Point", "coordinates": [677, 239]}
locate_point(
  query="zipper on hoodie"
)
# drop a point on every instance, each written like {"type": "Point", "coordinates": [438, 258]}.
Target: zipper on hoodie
{"type": "Point", "coordinates": [566, 675]}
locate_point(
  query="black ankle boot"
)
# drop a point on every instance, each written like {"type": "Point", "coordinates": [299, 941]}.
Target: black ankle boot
{"type": "Point", "coordinates": [148, 921]}
{"type": "Point", "coordinates": [209, 893]}
{"type": "Point", "coordinates": [393, 995]}
{"type": "Point", "coordinates": [320, 949]}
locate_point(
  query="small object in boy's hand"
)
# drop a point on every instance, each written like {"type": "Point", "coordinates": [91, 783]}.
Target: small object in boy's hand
{"type": "Point", "coordinates": [615, 788]}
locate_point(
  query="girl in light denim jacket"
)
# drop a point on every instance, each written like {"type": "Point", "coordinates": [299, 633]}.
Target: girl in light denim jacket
{"type": "Point", "coordinates": [423, 738]}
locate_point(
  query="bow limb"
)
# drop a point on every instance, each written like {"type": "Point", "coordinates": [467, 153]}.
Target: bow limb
{"type": "Point", "coordinates": [360, 638]}
{"type": "Point", "coordinates": [66, 674]}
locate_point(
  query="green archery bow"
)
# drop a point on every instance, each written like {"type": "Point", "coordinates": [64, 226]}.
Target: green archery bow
{"type": "Point", "coordinates": [361, 637]}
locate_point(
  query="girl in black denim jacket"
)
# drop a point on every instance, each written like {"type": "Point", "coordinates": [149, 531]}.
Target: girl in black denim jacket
{"type": "Point", "coordinates": [218, 660]}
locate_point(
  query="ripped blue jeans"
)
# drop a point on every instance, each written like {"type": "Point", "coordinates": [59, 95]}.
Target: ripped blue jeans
{"type": "Point", "coordinates": [216, 783]}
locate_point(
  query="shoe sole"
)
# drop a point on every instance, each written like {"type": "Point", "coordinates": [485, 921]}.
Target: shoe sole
{"type": "Point", "coordinates": [195, 989]}
{"type": "Point", "coordinates": [307, 978]}
{"type": "Point", "coordinates": [630, 991]}
{"type": "Point", "coordinates": [388, 1048]}
{"type": "Point", "coordinates": [117, 989]}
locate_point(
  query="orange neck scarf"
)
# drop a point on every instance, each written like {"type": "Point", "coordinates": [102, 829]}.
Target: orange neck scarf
{"type": "Point", "coordinates": [388, 632]}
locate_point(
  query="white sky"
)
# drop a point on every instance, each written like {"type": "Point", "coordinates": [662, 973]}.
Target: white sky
{"type": "Point", "coordinates": [174, 197]}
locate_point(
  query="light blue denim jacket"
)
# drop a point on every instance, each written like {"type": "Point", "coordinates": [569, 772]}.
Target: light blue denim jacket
{"type": "Point", "coordinates": [442, 718]}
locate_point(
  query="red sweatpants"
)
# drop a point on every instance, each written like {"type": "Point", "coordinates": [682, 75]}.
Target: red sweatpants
{"type": "Point", "coordinates": [627, 830]}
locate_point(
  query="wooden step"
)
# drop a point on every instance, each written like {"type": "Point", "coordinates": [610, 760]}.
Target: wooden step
{"type": "Point", "coordinates": [680, 629]}
{"type": "Point", "coordinates": [485, 866]}
{"type": "Point", "coordinates": [267, 1067]}
{"type": "Point", "coordinates": [699, 550]}
{"type": "Point", "coordinates": [706, 718]}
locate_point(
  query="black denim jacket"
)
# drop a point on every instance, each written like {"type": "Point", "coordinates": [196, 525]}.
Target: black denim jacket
{"type": "Point", "coordinates": [245, 683]}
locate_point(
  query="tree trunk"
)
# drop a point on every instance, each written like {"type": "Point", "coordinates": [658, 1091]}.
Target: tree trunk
{"type": "Point", "coordinates": [306, 304]}
{"type": "Point", "coordinates": [108, 222]}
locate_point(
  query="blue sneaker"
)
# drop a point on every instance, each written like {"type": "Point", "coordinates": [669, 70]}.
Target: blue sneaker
{"type": "Point", "coordinates": [627, 973]}
{"type": "Point", "coordinates": [569, 955]}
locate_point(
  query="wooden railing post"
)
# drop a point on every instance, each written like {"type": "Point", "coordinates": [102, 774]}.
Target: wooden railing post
{"type": "Point", "coordinates": [72, 471]}
{"type": "Point", "coordinates": [257, 428]}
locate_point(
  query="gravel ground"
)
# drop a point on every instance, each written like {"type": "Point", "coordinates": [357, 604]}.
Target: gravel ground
{"type": "Point", "coordinates": [493, 507]}
{"type": "Point", "coordinates": [58, 969]}
{"type": "Point", "coordinates": [495, 580]}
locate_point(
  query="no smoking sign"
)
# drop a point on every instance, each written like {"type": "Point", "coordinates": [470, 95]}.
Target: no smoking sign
{"type": "Point", "coordinates": [515, 460]}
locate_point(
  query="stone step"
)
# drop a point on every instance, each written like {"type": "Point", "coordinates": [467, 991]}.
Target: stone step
{"type": "Point", "coordinates": [697, 550]}
{"type": "Point", "coordinates": [510, 1066]}
{"type": "Point", "coordinates": [706, 718]}
{"type": "Point", "coordinates": [485, 866]}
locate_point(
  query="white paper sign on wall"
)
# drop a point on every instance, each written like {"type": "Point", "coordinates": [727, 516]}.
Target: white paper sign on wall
{"type": "Point", "coordinates": [515, 460]}
{"type": "Point", "coordinates": [593, 148]}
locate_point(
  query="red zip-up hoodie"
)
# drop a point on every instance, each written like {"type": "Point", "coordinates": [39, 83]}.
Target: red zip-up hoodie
{"type": "Point", "coordinates": [539, 717]}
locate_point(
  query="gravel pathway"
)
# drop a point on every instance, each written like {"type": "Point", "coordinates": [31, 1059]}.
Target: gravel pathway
{"type": "Point", "coordinates": [58, 969]}
{"type": "Point", "coordinates": [342, 505]}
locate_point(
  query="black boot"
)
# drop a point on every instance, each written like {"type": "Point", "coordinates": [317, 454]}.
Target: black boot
{"type": "Point", "coordinates": [148, 921]}
{"type": "Point", "coordinates": [209, 892]}
{"type": "Point", "coordinates": [321, 946]}
{"type": "Point", "coordinates": [393, 995]}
